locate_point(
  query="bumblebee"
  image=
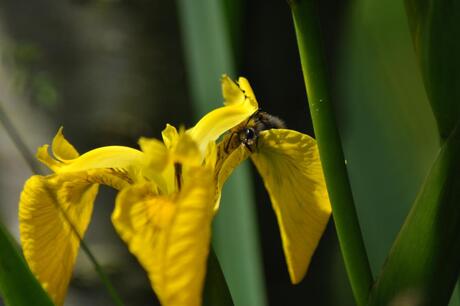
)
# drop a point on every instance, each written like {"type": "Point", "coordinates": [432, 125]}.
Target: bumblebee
{"type": "Point", "coordinates": [248, 132]}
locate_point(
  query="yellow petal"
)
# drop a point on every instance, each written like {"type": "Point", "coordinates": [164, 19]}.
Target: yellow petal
{"type": "Point", "coordinates": [289, 164]}
{"type": "Point", "coordinates": [63, 152]}
{"type": "Point", "coordinates": [231, 91]}
{"type": "Point", "coordinates": [62, 149]}
{"type": "Point", "coordinates": [112, 177]}
{"type": "Point", "coordinates": [44, 157]}
{"type": "Point", "coordinates": [109, 165]}
{"type": "Point", "coordinates": [222, 119]}
{"type": "Point", "coordinates": [210, 159]}
{"type": "Point", "coordinates": [65, 159]}
{"type": "Point", "coordinates": [170, 136]}
{"type": "Point", "coordinates": [156, 153]}
{"type": "Point", "coordinates": [186, 151]}
{"type": "Point", "coordinates": [107, 157]}
{"type": "Point", "coordinates": [226, 163]}
{"type": "Point", "coordinates": [49, 243]}
{"type": "Point", "coordinates": [169, 235]}
{"type": "Point", "coordinates": [236, 157]}
{"type": "Point", "coordinates": [162, 159]}
{"type": "Point", "coordinates": [246, 88]}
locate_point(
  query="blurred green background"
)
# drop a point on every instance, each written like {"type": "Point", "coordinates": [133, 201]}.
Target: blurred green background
{"type": "Point", "coordinates": [111, 71]}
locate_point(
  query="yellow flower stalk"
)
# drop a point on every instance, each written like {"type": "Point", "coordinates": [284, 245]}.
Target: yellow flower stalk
{"type": "Point", "coordinates": [168, 194]}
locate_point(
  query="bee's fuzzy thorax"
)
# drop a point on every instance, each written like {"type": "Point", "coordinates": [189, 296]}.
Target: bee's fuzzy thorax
{"type": "Point", "coordinates": [265, 121]}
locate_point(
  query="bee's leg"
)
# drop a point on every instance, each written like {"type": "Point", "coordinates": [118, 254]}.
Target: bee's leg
{"type": "Point", "coordinates": [227, 145]}
{"type": "Point", "coordinates": [248, 147]}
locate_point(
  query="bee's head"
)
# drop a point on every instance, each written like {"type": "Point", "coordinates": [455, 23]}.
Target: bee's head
{"type": "Point", "coordinates": [248, 131]}
{"type": "Point", "coordinates": [247, 135]}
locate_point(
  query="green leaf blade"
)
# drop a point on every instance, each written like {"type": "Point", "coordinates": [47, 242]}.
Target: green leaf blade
{"type": "Point", "coordinates": [216, 291]}
{"type": "Point", "coordinates": [18, 286]}
{"type": "Point", "coordinates": [424, 264]}
{"type": "Point", "coordinates": [435, 28]}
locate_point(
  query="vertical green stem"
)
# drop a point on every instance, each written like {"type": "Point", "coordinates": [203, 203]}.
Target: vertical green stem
{"type": "Point", "coordinates": [309, 41]}
{"type": "Point", "coordinates": [18, 142]}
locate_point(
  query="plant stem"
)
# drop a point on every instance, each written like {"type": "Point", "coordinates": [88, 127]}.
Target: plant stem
{"type": "Point", "coordinates": [18, 142]}
{"type": "Point", "coordinates": [30, 160]}
{"type": "Point", "coordinates": [309, 41]}
{"type": "Point", "coordinates": [99, 270]}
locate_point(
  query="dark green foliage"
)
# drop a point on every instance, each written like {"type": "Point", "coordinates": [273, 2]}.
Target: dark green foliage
{"type": "Point", "coordinates": [435, 27]}
{"type": "Point", "coordinates": [424, 262]}
{"type": "Point", "coordinates": [18, 287]}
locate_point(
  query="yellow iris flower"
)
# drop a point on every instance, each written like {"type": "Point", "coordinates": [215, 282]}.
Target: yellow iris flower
{"type": "Point", "coordinates": [169, 193]}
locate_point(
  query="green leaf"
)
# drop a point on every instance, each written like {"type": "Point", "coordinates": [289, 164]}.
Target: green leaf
{"type": "Point", "coordinates": [383, 111]}
{"type": "Point", "coordinates": [423, 265]}
{"type": "Point", "coordinates": [18, 286]}
{"type": "Point", "coordinates": [382, 115]}
{"type": "Point", "coordinates": [435, 27]}
{"type": "Point", "coordinates": [215, 289]}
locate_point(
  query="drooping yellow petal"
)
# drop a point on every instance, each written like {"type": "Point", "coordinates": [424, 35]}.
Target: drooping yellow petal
{"type": "Point", "coordinates": [50, 245]}
{"type": "Point", "coordinates": [170, 235]}
{"type": "Point", "coordinates": [222, 119]}
{"type": "Point", "coordinates": [289, 164]}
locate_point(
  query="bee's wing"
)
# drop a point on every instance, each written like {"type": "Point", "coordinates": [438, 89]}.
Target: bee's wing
{"type": "Point", "coordinates": [289, 164]}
